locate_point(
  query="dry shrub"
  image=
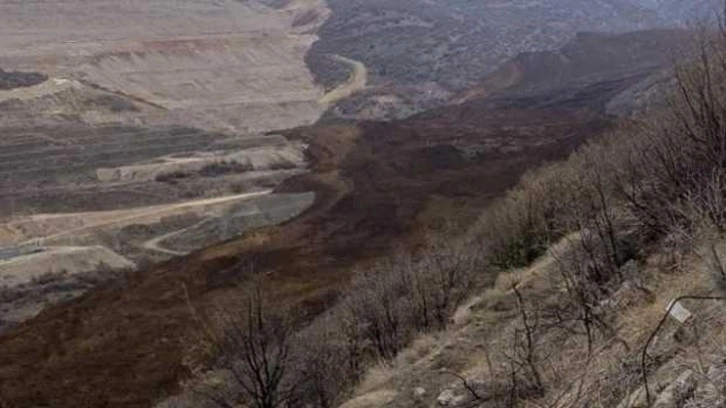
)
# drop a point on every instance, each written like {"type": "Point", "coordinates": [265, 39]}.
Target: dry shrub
{"type": "Point", "coordinates": [392, 300]}
{"type": "Point", "coordinates": [518, 228]}
{"type": "Point", "coordinates": [653, 180]}
{"type": "Point", "coordinates": [419, 348]}
{"type": "Point", "coordinates": [253, 354]}
{"type": "Point", "coordinates": [327, 360]}
{"type": "Point", "coordinates": [675, 167]}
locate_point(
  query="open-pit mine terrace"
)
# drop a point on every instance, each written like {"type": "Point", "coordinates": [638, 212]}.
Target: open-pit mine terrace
{"type": "Point", "coordinates": [138, 130]}
{"type": "Point", "coordinates": [227, 64]}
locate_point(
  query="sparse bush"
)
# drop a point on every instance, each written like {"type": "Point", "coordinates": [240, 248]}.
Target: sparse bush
{"type": "Point", "coordinates": [323, 363]}
{"type": "Point", "coordinates": [375, 304]}
{"type": "Point", "coordinates": [674, 174]}
{"type": "Point", "coordinates": [394, 299]}
{"type": "Point", "coordinates": [711, 252]}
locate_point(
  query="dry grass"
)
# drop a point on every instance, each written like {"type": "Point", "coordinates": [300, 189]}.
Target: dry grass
{"type": "Point", "coordinates": [376, 377]}
{"type": "Point", "coordinates": [476, 345]}
{"type": "Point", "coordinates": [371, 400]}
{"type": "Point", "coordinates": [420, 348]}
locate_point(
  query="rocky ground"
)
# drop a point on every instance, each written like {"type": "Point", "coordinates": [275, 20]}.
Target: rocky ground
{"type": "Point", "coordinates": [461, 366]}
{"type": "Point", "coordinates": [143, 133]}
{"type": "Point", "coordinates": [376, 184]}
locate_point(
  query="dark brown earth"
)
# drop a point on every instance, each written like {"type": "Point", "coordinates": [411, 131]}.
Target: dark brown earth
{"type": "Point", "coordinates": [378, 185]}
{"type": "Point", "coordinates": [124, 345]}
{"type": "Point", "coordinates": [15, 79]}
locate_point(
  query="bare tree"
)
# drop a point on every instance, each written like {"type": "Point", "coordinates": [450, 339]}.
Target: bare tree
{"type": "Point", "coordinates": [374, 303]}
{"type": "Point", "coordinates": [254, 349]}
{"type": "Point", "coordinates": [524, 362]}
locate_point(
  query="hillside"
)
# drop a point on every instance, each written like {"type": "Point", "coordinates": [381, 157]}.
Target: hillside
{"type": "Point", "coordinates": [588, 61]}
{"type": "Point", "coordinates": [602, 279]}
{"type": "Point", "coordinates": [595, 281]}
{"type": "Point", "coordinates": [468, 364]}
{"type": "Point", "coordinates": [378, 186]}
{"type": "Point", "coordinates": [212, 65]}
{"type": "Point", "coordinates": [418, 52]}
{"type": "Point", "coordinates": [365, 202]}
{"type": "Point", "coordinates": [124, 124]}
{"type": "Point", "coordinates": [258, 203]}
{"type": "Point", "coordinates": [626, 66]}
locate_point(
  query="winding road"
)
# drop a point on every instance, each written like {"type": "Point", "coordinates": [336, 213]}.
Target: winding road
{"type": "Point", "coordinates": [357, 81]}
{"type": "Point", "coordinates": [154, 244]}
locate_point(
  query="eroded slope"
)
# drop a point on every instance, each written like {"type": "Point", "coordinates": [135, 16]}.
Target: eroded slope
{"type": "Point", "coordinates": [376, 185]}
{"type": "Point", "coordinates": [227, 64]}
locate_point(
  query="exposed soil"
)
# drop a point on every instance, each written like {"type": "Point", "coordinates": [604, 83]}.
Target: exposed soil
{"type": "Point", "coordinates": [59, 261]}
{"type": "Point", "coordinates": [377, 186]}
{"type": "Point", "coordinates": [52, 227]}
{"type": "Point", "coordinates": [224, 65]}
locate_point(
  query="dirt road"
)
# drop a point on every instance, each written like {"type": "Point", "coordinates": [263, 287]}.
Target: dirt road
{"type": "Point", "coordinates": [95, 220]}
{"type": "Point", "coordinates": [357, 81]}
{"type": "Point", "coordinates": [154, 244]}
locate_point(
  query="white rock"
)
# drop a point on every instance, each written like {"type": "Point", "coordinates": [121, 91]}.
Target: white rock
{"type": "Point", "coordinates": [679, 312]}
{"type": "Point", "coordinates": [446, 398]}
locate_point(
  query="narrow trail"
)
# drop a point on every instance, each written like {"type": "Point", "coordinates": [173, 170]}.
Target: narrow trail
{"type": "Point", "coordinates": [357, 81]}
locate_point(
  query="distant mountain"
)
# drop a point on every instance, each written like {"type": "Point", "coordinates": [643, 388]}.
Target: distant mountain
{"type": "Point", "coordinates": [589, 71]}
{"type": "Point", "coordinates": [456, 42]}
{"type": "Point", "coordinates": [420, 54]}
